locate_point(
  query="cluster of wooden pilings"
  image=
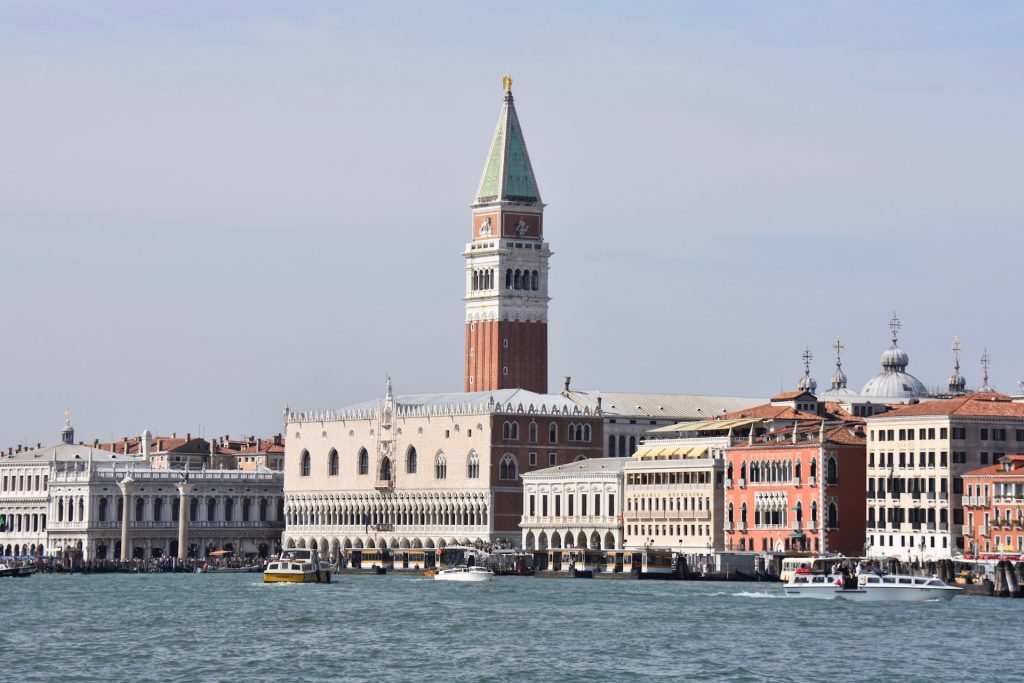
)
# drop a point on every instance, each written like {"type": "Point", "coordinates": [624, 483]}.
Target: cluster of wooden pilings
{"type": "Point", "coordinates": [1008, 579]}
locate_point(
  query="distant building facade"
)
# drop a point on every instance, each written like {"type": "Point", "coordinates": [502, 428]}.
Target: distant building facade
{"type": "Point", "coordinates": [994, 508]}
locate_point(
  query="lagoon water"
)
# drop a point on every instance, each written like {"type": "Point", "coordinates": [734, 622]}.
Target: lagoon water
{"type": "Point", "coordinates": [162, 627]}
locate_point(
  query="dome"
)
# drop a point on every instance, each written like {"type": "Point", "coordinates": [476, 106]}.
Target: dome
{"type": "Point", "coordinates": [894, 384]}
{"type": "Point", "coordinates": [895, 358]}
{"type": "Point", "coordinates": [807, 384]}
{"type": "Point", "coordinates": [894, 381]}
{"type": "Point", "coordinates": [957, 384]}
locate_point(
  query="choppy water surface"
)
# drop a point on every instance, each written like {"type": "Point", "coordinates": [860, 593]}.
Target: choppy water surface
{"type": "Point", "coordinates": [403, 628]}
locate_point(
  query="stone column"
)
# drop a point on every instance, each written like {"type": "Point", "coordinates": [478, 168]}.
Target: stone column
{"type": "Point", "coordinates": [125, 485]}
{"type": "Point", "coordinates": [183, 513]}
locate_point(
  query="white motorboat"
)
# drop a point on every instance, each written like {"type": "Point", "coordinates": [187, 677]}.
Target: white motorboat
{"type": "Point", "coordinates": [868, 587]}
{"type": "Point", "coordinates": [462, 573]}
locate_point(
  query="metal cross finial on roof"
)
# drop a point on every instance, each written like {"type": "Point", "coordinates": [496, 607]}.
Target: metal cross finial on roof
{"type": "Point", "coordinates": [838, 346]}
{"type": "Point", "coordinates": [895, 326]}
{"type": "Point", "coordinates": [957, 348]}
{"type": "Point", "coordinates": [985, 360]}
{"type": "Point", "coordinates": [808, 357]}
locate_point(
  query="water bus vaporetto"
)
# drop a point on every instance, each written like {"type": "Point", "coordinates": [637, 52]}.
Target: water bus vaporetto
{"type": "Point", "coordinates": [297, 566]}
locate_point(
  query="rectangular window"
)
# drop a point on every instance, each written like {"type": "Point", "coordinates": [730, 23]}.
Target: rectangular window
{"type": "Point", "coordinates": [984, 458]}
{"type": "Point", "coordinates": [558, 506]}
{"type": "Point", "coordinates": [611, 504]}
{"type": "Point", "coordinates": [533, 505]}
{"type": "Point", "coordinates": [943, 459]}
{"type": "Point", "coordinates": [583, 505]}
{"type": "Point", "coordinates": [533, 459]}
{"type": "Point", "coordinates": [597, 504]}
{"type": "Point", "coordinates": [889, 435]}
{"type": "Point", "coordinates": [983, 434]}
{"type": "Point", "coordinates": [903, 459]}
{"type": "Point", "coordinates": [572, 501]}
{"type": "Point", "coordinates": [958, 515]}
{"type": "Point", "coordinates": [1020, 435]}
{"type": "Point", "coordinates": [943, 433]}
{"type": "Point", "coordinates": [922, 433]}
{"type": "Point", "coordinates": [999, 435]}
{"type": "Point", "coordinates": [544, 506]}
{"type": "Point", "coordinates": [958, 487]}
{"type": "Point", "coordinates": [871, 459]}
{"type": "Point", "coordinates": [959, 433]}
{"type": "Point", "coordinates": [552, 459]}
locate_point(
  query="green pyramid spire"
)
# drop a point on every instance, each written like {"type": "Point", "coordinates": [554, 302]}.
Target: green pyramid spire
{"type": "Point", "coordinates": [508, 176]}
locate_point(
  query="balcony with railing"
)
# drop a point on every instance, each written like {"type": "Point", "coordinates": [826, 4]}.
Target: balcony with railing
{"type": "Point", "coordinates": [384, 484]}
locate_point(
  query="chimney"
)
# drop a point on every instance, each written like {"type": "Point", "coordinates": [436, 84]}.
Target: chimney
{"type": "Point", "coordinates": [277, 437]}
{"type": "Point", "coordinates": [796, 430]}
{"type": "Point", "coordinates": [599, 404]}
{"type": "Point", "coordinates": [565, 386]}
{"type": "Point", "coordinates": [188, 436]}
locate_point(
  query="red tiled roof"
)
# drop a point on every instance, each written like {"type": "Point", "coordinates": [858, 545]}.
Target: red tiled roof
{"type": "Point", "coordinates": [980, 404]}
{"type": "Point", "coordinates": [998, 468]}
{"type": "Point", "coordinates": [789, 395]}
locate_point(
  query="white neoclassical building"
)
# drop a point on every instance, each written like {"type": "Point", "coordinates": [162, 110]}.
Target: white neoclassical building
{"type": "Point", "coordinates": [95, 504]}
{"type": "Point", "coordinates": [102, 511]}
{"type": "Point", "coordinates": [574, 505]}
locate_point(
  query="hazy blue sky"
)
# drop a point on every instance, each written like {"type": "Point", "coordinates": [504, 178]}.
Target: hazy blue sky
{"type": "Point", "coordinates": [208, 210]}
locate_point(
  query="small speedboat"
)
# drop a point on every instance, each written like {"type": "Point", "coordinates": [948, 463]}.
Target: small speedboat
{"type": "Point", "coordinates": [868, 587]}
{"type": "Point", "coordinates": [463, 573]}
{"type": "Point", "coordinates": [14, 570]}
{"type": "Point", "coordinates": [296, 566]}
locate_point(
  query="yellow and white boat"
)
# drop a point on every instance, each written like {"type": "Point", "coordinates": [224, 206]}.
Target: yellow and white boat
{"type": "Point", "coordinates": [296, 566]}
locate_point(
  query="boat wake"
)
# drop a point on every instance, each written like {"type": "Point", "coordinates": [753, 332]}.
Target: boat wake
{"type": "Point", "coordinates": [749, 594]}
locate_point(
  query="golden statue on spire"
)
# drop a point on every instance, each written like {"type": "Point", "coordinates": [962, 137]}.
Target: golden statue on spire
{"type": "Point", "coordinates": [506, 82]}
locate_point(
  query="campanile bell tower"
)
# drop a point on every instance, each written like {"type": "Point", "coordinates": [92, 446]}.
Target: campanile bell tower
{"type": "Point", "coordinates": [507, 268]}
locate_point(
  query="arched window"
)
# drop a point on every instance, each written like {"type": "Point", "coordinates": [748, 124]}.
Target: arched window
{"type": "Point", "coordinates": [507, 468]}
{"type": "Point", "coordinates": [140, 509]}
{"type": "Point", "coordinates": [831, 472]}
{"type": "Point", "coordinates": [510, 430]}
{"type": "Point", "coordinates": [571, 432]}
{"type": "Point", "coordinates": [304, 464]}
{"type": "Point", "coordinates": [193, 510]}
{"type": "Point", "coordinates": [332, 463]}
{"type": "Point", "coordinates": [632, 445]}
{"type": "Point", "coordinates": [364, 461]}
{"type": "Point", "coordinates": [229, 509]}
{"type": "Point", "coordinates": [473, 465]}
{"type": "Point", "coordinates": [476, 280]}
{"type": "Point", "coordinates": [508, 279]}
{"type": "Point", "coordinates": [743, 513]}
{"type": "Point", "coordinates": [385, 469]}
{"type": "Point", "coordinates": [814, 511]}
{"type": "Point", "coordinates": [103, 510]}
{"type": "Point", "coordinates": [730, 513]}
{"type": "Point", "coordinates": [552, 433]}
{"type": "Point", "coordinates": [611, 445]}
{"type": "Point", "coordinates": [814, 468]}
{"type": "Point", "coordinates": [517, 280]}
{"type": "Point", "coordinates": [158, 510]}
{"type": "Point", "coordinates": [533, 432]}
{"type": "Point", "coordinates": [410, 461]}
{"type": "Point", "coordinates": [833, 516]}
{"type": "Point", "coordinates": [799, 512]}
{"type": "Point", "coordinates": [586, 432]}
{"type": "Point", "coordinates": [534, 281]}
{"type": "Point", "coordinates": [796, 471]}
{"type": "Point", "coordinates": [440, 467]}
{"type": "Point", "coordinates": [579, 458]}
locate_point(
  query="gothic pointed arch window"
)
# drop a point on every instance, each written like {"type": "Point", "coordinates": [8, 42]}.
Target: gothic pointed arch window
{"type": "Point", "coordinates": [814, 511]}
{"type": "Point", "coordinates": [440, 466]}
{"type": "Point", "coordinates": [586, 433]}
{"type": "Point", "coordinates": [799, 512]}
{"type": "Point", "coordinates": [831, 472]}
{"type": "Point", "coordinates": [729, 519]}
{"type": "Point", "coordinates": [510, 430]}
{"type": "Point", "coordinates": [332, 463]}
{"type": "Point", "coordinates": [304, 464]}
{"type": "Point", "coordinates": [553, 433]}
{"type": "Point", "coordinates": [796, 471]}
{"type": "Point", "coordinates": [814, 468]}
{"type": "Point", "coordinates": [410, 460]}
{"type": "Point", "coordinates": [743, 513]}
{"type": "Point", "coordinates": [385, 469]}
{"type": "Point", "coordinates": [508, 469]}
{"type": "Point", "coordinates": [833, 516]}
{"type": "Point", "coordinates": [364, 461]}
{"type": "Point", "coordinates": [473, 465]}
{"type": "Point", "coordinates": [533, 432]}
